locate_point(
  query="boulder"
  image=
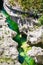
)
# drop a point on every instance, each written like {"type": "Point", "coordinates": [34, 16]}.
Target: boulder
{"type": "Point", "coordinates": [37, 54]}
{"type": "Point", "coordinates": [36, 36]}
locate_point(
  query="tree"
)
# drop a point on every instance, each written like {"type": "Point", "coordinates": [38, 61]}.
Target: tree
{"type": "Point", "coordinates": [30, 4]}
{"type": "Point", "coordinates": [12, 2]}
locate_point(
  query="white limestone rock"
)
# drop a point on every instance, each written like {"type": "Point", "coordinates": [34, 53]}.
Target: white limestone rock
{"type": "Point", "coordinates": [5, 63]}
{"type": "Point", "coordinates": [17, 63]}
{"type": "Point", "coordinates": [36, 36]}
{"type": "Point", "coordinates": [9, 43]}
{"type": "Point", "coordinates": [37, 54]}
{"type": "Point", "coordinates": [8, 47]}
{"type": "Point", "coordinates": [28, 24]}
{"type": "Point", "coordinates": [11, 52]}
{"type": "Point", "coordinates": [6, 32]}
{"type": "Point", "coordinates": [4, 29]}
{"type": "Point", "coordinates": [1, 51]}
{"type": "Point", "coordinates": [2, 20]}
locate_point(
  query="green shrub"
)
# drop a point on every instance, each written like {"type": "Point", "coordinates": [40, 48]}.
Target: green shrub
{"type": "Point", "coordinates": [12, 2]}
{"type": "Point", "coordinates": [27, 5]}
{"type": "Point", "coordinates": [41, 20]}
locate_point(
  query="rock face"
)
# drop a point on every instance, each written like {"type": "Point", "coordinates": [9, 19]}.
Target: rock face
{"type": "Point", "coordinates": [8, 47]}
{"type": "Point", "coordinates": [9, 11]}
{"type": "Point", "coordinates": [31, 29]}
{"type": "Point", "coordinates": [26, 24]}
{"type": "Point", "coordinates": [37, 54]}
{"type": "Point", "coordinates": [8, 32]}
{"type": "Point", "coordinates": [36, 36]}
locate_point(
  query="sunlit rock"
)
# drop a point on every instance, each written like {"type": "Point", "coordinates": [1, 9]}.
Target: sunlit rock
{"type": "Point", "coordinates": [37, 54]}
{"type": "Point", "coordinates": [6, 32]}
{"type": "Point", "coordinates": [8, 47]}
{"type": "Point", "coordinates": [28, 24]}
{"type": "Point", "coordinates": [1, 51]}
{"type": "Point", "coordinates": [8, 43]}
{"type": "Point", "coordinates": [11, 52]}
{"type": "Point", "coordinates": [35, 37]}
{"type": "Point", "coordinates": [2, 20]}
{"type": "Point", "coordinates": [17, 63]}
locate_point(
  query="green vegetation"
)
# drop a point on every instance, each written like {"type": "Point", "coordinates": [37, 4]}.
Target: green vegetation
{"type": "Point", "coordinates": [27, 60]}
{"type": "Point", "coordinates": [41, 20]}
{"type": "Point", "coordinates": [35, 6]}
{"type": "Point", "coordinates": [26, 5]}
{"type": "Point", "coordinates": [12, 3]}
{"type": "Point", "coordinates": [31, 4]}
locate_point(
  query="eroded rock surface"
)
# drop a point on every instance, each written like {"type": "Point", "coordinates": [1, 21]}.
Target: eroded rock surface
{"type": "Point", "coordinates": [8, 47]}
{"type": "Point", "coordinates": [35, 36]}
{"type": "Point", "coordinates": [37, 54]}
